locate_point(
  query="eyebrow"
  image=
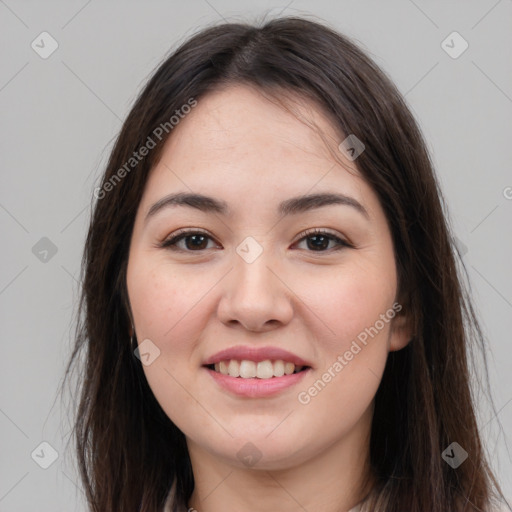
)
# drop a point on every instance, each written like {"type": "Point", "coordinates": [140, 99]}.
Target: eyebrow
{"type": "Point", "coordinates": [292, 206]}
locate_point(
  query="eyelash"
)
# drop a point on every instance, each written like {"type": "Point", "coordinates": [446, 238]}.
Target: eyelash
{"type": "Point", "coordinates": [170, 243]}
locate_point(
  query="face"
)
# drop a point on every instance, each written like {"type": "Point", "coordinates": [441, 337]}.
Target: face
{"type": "Point", "coordinates": [312, 284]}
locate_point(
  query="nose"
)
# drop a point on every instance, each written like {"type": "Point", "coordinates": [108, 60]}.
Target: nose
{"type": "Point", "coordinates": [255, 296]}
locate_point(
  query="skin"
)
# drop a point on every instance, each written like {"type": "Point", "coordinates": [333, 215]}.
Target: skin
{"type": "Point", "coordinates": [238, 146]}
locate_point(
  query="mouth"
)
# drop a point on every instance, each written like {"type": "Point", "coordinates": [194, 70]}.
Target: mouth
{"type": "Point", "coordinates": [264, 370]}
{"type": "Point", "coordinates": [256, 372]}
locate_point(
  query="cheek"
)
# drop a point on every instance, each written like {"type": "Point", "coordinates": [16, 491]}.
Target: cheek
{"type": "Point", "coordinates": [168, 310]}
{"type": "Point", "coordinates": [165, 302]}
{"type": "Point", "coordinates": [352, 351]}
{"type": "Point", "coordinates": [351, 301]}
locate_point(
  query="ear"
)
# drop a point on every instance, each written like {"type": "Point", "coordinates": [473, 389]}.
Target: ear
{"type": "Point", "coordinates": [401, 331]}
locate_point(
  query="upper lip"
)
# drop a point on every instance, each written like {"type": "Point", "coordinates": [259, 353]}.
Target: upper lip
{"type": "Point", "coordinates": [256, 354]}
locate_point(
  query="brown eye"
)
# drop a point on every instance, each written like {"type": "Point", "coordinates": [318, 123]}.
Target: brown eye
{"type": "Point", "coordinates": [318, 241]}
{"type": "Point", "coordinates": [193, 241]}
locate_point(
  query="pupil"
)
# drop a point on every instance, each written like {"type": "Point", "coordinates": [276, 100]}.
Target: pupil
{"type": "Point", "coordinates": [324, 239]}
{"type": "Point", "coordinates": [196, 245]}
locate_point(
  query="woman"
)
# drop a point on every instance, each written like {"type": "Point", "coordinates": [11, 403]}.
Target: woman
{"type": "Point", "coordinates": [272, 311]}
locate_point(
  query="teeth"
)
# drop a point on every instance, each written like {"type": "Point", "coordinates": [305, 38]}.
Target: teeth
{"type": "Point", "coordinates": [234, 368]}
{"type": "Point", "coordinates": [289, 368]}
{"type": "Point", "coordinates": [247, 369]}
{"type": "Point", "coordinates": [265, 370]}
{"type": "Point", "coordinates": [262, 370]}
{"type": "Point", "coordinates": [279, 368]}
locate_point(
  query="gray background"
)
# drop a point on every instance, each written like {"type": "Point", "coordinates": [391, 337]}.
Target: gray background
{"type": "Point", "coordinates": [60, 115]}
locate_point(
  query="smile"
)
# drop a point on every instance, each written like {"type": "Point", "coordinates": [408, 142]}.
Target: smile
{"type": "Point", "coordinates": [255, 387]}
{"type": "Point", "coordinates": [256, 372]}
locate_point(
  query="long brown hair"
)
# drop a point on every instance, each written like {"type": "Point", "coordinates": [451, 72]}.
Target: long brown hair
{"type": "Point", "coordinates": [129, 452]}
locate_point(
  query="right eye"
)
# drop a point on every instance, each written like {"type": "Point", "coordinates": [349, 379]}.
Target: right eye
{"type": "Point", "coordinates": [194, 241]}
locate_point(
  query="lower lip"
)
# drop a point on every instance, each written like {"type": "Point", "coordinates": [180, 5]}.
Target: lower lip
{"type": "Point", "coordinates": [256, 388]}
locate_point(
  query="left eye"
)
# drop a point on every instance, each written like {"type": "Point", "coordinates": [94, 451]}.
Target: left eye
{"type": "Point", "coordinates": [196, 241]}
{"type": "Point", "coordinates": [321, 239]}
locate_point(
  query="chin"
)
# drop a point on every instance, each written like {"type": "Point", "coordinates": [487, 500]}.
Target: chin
{"type": "Point", "coordinates": [260, 452]}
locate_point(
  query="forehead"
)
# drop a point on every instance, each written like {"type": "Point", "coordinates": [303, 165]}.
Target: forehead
{"type": "Point", "coordinates": [242, 118]}
{"type": "Point", "coordinates": [237, 144]}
